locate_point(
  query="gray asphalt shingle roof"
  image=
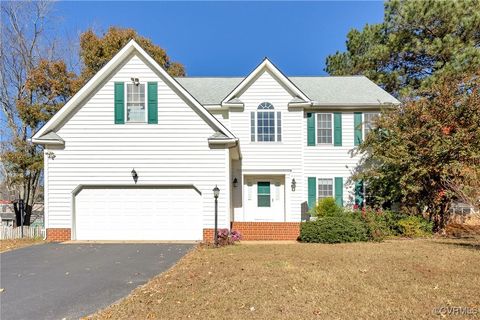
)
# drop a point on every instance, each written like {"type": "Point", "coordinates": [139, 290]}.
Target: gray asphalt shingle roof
{"type": "Point", "coordinates": [324, 90]}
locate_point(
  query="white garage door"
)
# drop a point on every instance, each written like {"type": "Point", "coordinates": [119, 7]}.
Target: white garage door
{"type": "Point", "coordinates": [138, 214]}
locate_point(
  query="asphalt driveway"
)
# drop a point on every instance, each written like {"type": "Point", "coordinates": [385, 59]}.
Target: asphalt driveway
{"type": "Point", "coordinates": [57, 281]}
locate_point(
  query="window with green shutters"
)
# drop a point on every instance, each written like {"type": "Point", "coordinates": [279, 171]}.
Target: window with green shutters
{"type": "Point", "coordinates": [263, 194]}
{"type": "Point", "coordinates": [324, 128]}
{"type": "Point", "coordinates": [130, 104]}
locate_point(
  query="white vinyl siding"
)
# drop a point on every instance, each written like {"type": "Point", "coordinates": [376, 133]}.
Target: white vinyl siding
{"type": "Point", "coordinates": [281, 157]}
{"type": "Point", "coordinates": [327, 161]}
{"type": "Point", "coordinates": [97, 151]}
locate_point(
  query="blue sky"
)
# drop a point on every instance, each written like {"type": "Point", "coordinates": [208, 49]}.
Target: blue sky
{"type": "Point", "coordinates": [231, 38]}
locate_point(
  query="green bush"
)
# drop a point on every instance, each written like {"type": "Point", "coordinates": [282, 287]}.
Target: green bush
{"type": "Point", "coordinates": [378, 226]}
{"type": "Point", "coordinates": [334, 229]}
{"type": "Point", "coordinates": [327, 207]}
{"type": "Point", "coordinates": [382, 224]}
{"type": "Point", "coordinates": [415, 226]}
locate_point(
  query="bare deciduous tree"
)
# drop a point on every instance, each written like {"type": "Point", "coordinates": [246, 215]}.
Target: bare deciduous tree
{"type": "Point", "coordinates": [23, 44]}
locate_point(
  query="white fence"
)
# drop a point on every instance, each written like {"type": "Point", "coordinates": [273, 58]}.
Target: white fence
{"type": "Point", "coordinates": [16, 233]}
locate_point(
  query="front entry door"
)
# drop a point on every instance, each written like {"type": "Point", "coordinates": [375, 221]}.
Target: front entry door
{"type": "Point", "coordinates": [264, 199]}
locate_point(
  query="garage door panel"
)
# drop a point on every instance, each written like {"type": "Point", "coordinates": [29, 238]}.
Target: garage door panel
{"type": "Point", "coordinates": [138, 214]}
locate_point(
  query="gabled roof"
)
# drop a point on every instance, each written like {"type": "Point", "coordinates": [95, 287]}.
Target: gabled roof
{"type": "Point", "coordinates": [209, 90]}
{"type": "Point", "coordinates": [101, 75]}
{"type": "Point", "coordinates": [322, 90]}
{"type": "Point", "coordinates": [262, 67]}
{"type": "Point", "coordinates": [343, 90]}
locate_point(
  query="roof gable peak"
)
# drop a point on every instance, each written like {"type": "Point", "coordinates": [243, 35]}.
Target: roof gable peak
{"type": "Point", "coordinates": [266, 65]}
{"type": "Point", "coordinates": [105, 71]}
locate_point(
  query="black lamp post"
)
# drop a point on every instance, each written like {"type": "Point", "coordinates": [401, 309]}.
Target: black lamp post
{"type": "Point", "coordinates": [216, 193]}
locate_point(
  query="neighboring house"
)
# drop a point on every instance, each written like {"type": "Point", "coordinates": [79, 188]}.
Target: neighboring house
{"type": "Point", "coordinates": [135, 154]}
{"type": "Point", "coordinates": [6, 213]}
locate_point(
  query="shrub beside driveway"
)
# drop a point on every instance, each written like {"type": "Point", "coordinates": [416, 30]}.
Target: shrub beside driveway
{"type": "Point", "coordinates": [392, 279]}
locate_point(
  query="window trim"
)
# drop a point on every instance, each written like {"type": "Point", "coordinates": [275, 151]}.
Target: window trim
{"type": "Point", "coordinates": [318, 185]}
{"type": "Point", "coordinates": [276, 117]}
{"type": "Point", "coordinates": [331, 129]}
{"type": "Point", "coordinates": [145, 102]}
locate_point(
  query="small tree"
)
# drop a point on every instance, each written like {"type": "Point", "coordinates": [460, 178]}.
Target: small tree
{"type": "Point", "coordinates": [422, 154]}
{"type": "Point", "coordinates": [327, 207]}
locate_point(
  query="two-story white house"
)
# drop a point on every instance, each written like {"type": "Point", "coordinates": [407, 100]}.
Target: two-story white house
{"type": "Point", "coordinates": [135, 154]}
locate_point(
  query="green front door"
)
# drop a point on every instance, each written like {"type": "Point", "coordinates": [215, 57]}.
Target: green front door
{"type": "Point", "coordinates": [263, 194]}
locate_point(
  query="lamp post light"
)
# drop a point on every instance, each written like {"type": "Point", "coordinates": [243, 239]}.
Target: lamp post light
{"type": "Point", "coordinates": [216, 193]}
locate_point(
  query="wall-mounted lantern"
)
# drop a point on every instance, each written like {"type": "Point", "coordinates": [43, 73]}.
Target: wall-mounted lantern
{"type": "Point", "coordinates": [235, 182]}
{"type": "Point", "coordinates": [294, 184]}
{"type": "Point", "coordinates": [134, 176]}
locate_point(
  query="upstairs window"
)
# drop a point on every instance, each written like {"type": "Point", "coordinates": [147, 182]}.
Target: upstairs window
{"type": "Point", "coordinates": [368, 122]}
{"type": "Point", "coordinates": [324, 128]}
{"type": "Point", "coordinates": [136, 103]}
{"type": "Point", "coordinates": [265, 124]}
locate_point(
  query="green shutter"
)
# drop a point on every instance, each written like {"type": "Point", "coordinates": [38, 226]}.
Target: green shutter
{"type": "Point", "coordinates": [339, 191]}
{"type": "Point", "coordinates": [312, 191]}
{"type": "Point", "coordinates": [359, 193]}
{"type": "Point", "coordinates": [152, 103]}
{"type": "Point", "coordinates": [337, 129]}
{"type": "Point", "coordinates": [310, 129]}
{"type": "Point", "coordinates": [357, 125]}
{"type": "Point", "coordinates": [119, 98]}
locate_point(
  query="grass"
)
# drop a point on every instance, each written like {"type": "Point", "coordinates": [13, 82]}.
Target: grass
{"type": "Point", "coordinates": [7, 245]}
{"type": "Point", "coordinates": [395, 279]}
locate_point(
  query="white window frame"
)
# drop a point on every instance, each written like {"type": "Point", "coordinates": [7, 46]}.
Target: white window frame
{"type": "Point", "coordinates": [318, 185]}
{"type": "Point", "coordinates": [364, 122]}
{"type": "Point", "coordinates": [275, 124]}
{"type": "Point", "coordinates": [316, 129]}
{"type": "Point", "coordinates": [126, 103]}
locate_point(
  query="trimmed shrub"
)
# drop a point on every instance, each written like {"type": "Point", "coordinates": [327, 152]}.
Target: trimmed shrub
{"type": "Point", "coordinates": [327, 207]}
{"type": "Point", "coordinates": [334, 229]}
{"type": "Point", "coordinates": [415, 226]}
